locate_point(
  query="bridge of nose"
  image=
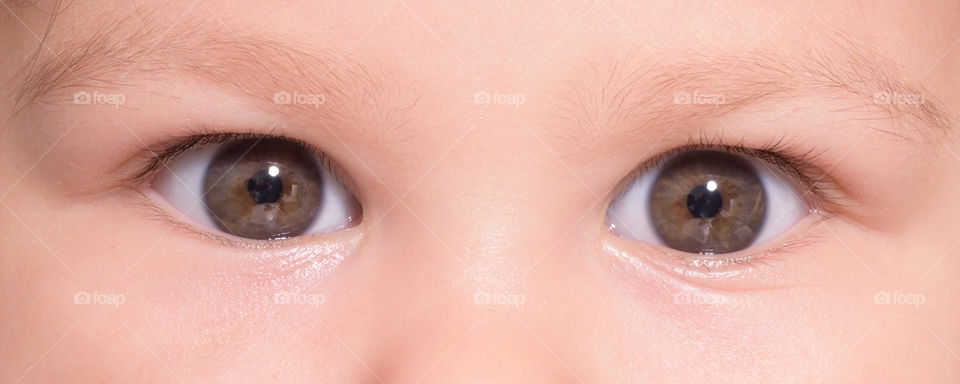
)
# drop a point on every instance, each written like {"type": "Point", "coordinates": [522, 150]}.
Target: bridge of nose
{"type": "Point", "coordinates": [454, 275]}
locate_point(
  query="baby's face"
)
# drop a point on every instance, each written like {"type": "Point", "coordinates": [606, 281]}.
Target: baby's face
{"type": "Point", "coordinates": [399, 192]}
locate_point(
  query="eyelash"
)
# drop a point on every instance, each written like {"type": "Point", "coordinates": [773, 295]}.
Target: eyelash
{"type": "Point", "coordinates": [764, 257]}
{"type": "Point", "coordinates": [171, 148]}
{"type": "Point", "coordinates": [174, 147]}
{"type": "Point", "coordinates": [792, 160]}
{"type": "Point", "coordinates": [789, 158]}
{"type": "Point", "coordinates": [157, 156]}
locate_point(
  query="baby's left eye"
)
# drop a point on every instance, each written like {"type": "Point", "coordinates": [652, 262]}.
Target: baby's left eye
{"type": "Point", "coordinates": [257, 188]}
{"type": "Point", "coordinates": [707, 202]}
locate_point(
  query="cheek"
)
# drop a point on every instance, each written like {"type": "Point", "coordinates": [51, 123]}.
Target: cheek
{"type": "Point", "coordinates": [742, 336]}
{"type": "Point", "coordinates": [150, 293]}
{"type": "Point", "coordinates": [208, 308]}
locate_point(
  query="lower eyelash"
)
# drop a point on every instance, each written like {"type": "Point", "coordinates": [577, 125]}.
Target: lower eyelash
{"type": "Point", "coordinates": [164, 215]}
{"type": "Point", "coordinates": [154, 159]}
{"type": "Point", "coordinates": [795, 160]}
{"type": "Point", "coordinates": [806, 237]}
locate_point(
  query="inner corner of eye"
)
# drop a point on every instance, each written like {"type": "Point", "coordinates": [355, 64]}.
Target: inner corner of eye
{"type": "Point", "coordinates": [706, 202]}
{"type": "Point", "coordinates": [261, 188]}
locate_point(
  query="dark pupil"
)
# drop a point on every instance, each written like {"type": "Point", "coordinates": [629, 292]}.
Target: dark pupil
{"type": "Point", "coordinates": [265, 188]}
{"type": "Point", "coordinates": [704, 203]}
{"type": "Point", "coordinates": [707, 202]}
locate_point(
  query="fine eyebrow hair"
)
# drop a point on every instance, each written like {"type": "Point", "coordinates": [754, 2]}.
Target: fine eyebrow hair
{"type": "Point", "coordinates": [627, 93]}
{"type": "Point", "coordinates": [623, 93]}
{"type": "Point", "coordinates": [257, 66]}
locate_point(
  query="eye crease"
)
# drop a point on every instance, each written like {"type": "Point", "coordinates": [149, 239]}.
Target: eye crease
{"type": "Point", "coordinates": [254, 186]}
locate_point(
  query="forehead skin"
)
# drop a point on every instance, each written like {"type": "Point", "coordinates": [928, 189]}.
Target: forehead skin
{"type": "Point", "coordinates": [427, 61]}
{"type": "Point", "coordinates": [480, 46]}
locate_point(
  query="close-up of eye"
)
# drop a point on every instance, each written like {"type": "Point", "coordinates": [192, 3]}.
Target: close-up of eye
{"type": "Point", "coordinates": [707, 202]}
{"type": "Point", "coordinates": [479, 192]}
{"type": "Point", "coordinates": [260, 188]}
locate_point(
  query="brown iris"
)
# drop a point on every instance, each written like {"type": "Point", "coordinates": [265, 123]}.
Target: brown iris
{"type": "Point", "coordinates": [264, 188]}
{"type": "Point", "coordinates": [707, 202]}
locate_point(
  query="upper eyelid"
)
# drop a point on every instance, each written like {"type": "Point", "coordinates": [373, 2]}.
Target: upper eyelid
{"type": "Point", "coordinates": [795, 164]}
{"type": "Point", "coordinates": [168, 150]}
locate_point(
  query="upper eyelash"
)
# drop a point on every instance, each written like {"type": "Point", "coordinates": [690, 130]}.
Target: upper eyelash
{"type": "Point", "coordinates": [169, 150]}
{"type": "Point", "coordinates": [173, 147]}
{"type": "Point", "coordinates": [789, 158]}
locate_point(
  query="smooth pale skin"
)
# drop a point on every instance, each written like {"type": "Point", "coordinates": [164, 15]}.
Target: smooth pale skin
{"type": "Point", "coordinates": [463, 199]}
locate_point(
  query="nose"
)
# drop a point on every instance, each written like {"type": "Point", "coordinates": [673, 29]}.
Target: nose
{"type": "Point", "coordinates": [460, 289]}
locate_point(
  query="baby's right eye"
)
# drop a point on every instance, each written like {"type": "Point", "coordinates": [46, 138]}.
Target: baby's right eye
{"type": "Point", "coordinates": [261, 188]}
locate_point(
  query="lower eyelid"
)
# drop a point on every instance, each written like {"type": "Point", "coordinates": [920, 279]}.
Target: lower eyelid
{"type": "Point", "coordinates": [155, 210]}
{"type": "Point", "coordinates": [181, 175]}
{"type": "Point", "coordinates": [256, 261]}
{"type": "Point", "coordinates": [635, 214]}
{"type": "Point", "coordinates": [791, 242]}
{"type": "Point", "coordinates": [769, 267]}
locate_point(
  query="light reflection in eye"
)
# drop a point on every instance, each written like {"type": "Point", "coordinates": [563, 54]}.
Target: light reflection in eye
{"type": "Point", "coordinates": [707, 202]}
{"type": "Point", "coordinates": [258, 188]}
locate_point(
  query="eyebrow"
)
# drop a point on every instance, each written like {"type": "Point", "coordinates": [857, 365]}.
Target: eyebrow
{"type": "Point", "coordinates": [256, 66]}
{"type": "Point", "coordinates": [622, 93]}
{"type": "Point", "coordinates": [610, 96]}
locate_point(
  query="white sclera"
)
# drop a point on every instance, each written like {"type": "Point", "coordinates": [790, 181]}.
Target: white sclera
{"type": "Point", "coordinates": [180, 183]}
{"type": "Point", "coordinates": [629, 214]}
